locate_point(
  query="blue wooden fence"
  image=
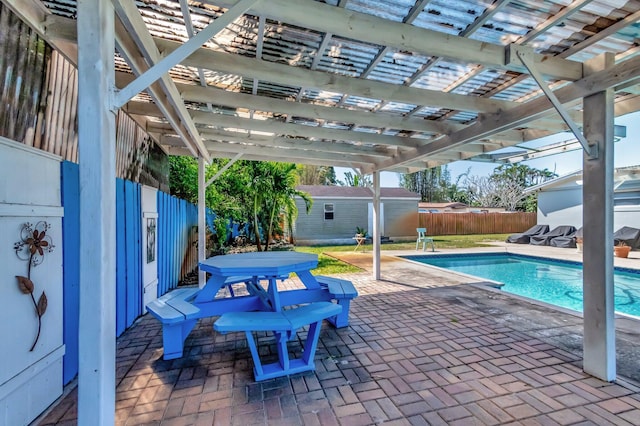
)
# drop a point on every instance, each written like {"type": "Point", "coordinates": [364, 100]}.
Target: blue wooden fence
{"type": "Point", "coordinates": [177, 254]}
{"type": "Point", "coordinates": [128, 254]}
{"type": "Point", "coordinates": [177, 236]}
{"type": "Point", "coordinates": [71, 269]}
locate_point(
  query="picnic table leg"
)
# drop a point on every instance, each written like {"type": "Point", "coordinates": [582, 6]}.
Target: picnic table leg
{"type": "Point", "coordinates": [283, 352]}
{"type": "Point", "coordinates": [257, 365]}
{"type": "Point", "coordinates": [312, 343]}
{"type": "Point", "coordinates": [173, 337]}
{"type": "Point", "coordinates": [273, 294]}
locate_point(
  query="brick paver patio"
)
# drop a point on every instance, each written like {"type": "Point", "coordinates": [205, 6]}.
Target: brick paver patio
{"type": "Point", "coordinates": [418, 351]}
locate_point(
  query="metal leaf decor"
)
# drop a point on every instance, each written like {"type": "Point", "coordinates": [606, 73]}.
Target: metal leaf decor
{"type": "Point", "coordinates": [32, 247]}
{"type": "Point", "coordinates": [25, 284]}
{"type": "Point", "coordinates": [42, 304]}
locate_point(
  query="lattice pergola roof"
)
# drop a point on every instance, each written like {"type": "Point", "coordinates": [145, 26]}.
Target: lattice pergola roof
{"type": "Point", "coordinates": [395, 85]}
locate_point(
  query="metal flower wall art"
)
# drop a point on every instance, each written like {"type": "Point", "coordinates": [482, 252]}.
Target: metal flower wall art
{"type": "Point", "coordinates": [33, 245]}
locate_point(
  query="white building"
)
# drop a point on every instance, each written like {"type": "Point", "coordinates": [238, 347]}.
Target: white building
{"type": "Point", "coordinates": [560, 200]}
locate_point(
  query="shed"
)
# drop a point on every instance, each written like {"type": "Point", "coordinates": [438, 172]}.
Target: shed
{"type": "Point", "coordinates": [338, 210]}
{"type": "Point", "coordinates": [560, 200]}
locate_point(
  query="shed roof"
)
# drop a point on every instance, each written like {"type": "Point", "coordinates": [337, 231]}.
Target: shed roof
{"type": "Point", "coordinates": [394, 85]}
{"type": "Point", "coordinates": [356, 192]}
{"type": "Point", "coordinates": [450, 205]}
{"type": "Point", "coordinates": [622, 176]}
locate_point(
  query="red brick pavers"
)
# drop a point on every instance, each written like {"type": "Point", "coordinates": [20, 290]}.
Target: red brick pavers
{"type": "Point", "coordinates": [413, 354]}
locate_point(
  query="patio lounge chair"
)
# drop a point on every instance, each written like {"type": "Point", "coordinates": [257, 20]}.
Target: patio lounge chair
{"type": "Point", "coordinates": [566, 241]}
{"type": "Point", "coordinates": [523, 238]}
{"type": "Point", "coordinates": [627, 235]}
{"type": "Point", "coordinates": [559, 231]}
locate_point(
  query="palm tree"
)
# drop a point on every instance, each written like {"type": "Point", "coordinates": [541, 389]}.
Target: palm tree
{"type": "Point", "coordinates": [273, 193]}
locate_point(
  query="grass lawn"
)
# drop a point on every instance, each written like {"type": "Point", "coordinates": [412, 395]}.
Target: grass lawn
{"type": "Point", "coordinates": [328, 265]}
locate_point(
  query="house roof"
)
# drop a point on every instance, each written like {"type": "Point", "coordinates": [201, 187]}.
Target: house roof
{"type": "Point", "coordinates": [449, 205]}
{"type": "Point", "coordinates": [374, 85]}
{"type": "Point", "coordinates": [327, 191]}
{"type": "Point", "coordinates": [621, 175]}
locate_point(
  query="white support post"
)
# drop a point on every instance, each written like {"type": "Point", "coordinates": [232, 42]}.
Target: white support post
{"type": "Point", "coordinates": [376, 225]}
{"type": "Point", "coordinates": [96, 136]}
{"type": "Point", "coordinates": [202, 219]}
{"type": "Point", "coordinates": [599, 321]}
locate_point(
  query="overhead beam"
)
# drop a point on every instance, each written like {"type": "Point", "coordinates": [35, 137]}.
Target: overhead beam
{"type": "Point", "coordinates": [226, 98]}
{"type": "Point", "coordinates": [300, 130]}
{"type": "Point", "coordinates": [301, 77]}
{"type": "Point", "coordinates": [371, 29]}
{"type": "Point", "coordinates": [290, 155]}
{"type": "Point", "coordinates": [278, 141]}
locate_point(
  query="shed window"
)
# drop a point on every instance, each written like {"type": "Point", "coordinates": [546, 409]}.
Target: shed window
{"type": "Point", "coordinates": [328, 211]}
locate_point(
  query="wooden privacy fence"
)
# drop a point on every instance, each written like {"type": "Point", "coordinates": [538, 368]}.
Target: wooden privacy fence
{"type": "Point", "coordinates": [476, 223]}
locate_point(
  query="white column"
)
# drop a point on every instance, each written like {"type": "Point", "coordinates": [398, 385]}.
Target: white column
{"type": "Point", "coordinates": [376, 225]}
{"type": "Point", "coordinates": [96, 136]}
{"type": "Point", "coordinates": [599, 322]}
{"type": "Point", "coordinates": [202, 219]}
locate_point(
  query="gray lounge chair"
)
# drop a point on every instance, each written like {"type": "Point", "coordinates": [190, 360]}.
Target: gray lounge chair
{"type": "Point", "coordinates": [544, 239]}
{"type": "Point", "coordinates": [523, 238]}
{"type": "Point", "coordinates": [627, 235]}
{"type": "Point", "coordinates": [566, 241]}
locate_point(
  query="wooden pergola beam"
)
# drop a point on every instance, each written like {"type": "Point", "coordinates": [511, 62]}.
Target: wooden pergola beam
{"type": "Point", "coordinates": [371, 29]}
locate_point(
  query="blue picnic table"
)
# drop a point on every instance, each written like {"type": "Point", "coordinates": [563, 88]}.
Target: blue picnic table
{"type": "Point", "coordinates": [180, 309]}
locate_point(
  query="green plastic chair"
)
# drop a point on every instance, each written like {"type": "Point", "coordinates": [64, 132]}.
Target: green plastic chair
{"type": "Point", "coordinates": [422, 238]}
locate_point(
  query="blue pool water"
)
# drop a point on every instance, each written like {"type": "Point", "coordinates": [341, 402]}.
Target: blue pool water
{"type": "Point", "coordinates": [555, 282]}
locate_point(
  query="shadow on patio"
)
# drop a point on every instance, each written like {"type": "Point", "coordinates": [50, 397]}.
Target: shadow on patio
{"type": "Point", "coordinates": [420, 350]}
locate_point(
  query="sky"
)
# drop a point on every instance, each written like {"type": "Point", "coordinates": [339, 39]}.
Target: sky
{"type": "Point", "coordinates": [627, 153]}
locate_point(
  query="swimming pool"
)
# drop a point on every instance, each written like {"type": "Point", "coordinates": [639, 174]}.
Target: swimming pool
{"type": "Point", "coordinates": [551, 281]}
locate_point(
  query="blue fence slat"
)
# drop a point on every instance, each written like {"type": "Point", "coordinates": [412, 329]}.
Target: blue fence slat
{"type": "Point", "coordinates": [140, 284]}
{"type": "Point", "coordinates": [121, 264]}
{"type": "Point", "coordinates": [71, 270]}
{"type": "Point", "coordinates": [133, 219]}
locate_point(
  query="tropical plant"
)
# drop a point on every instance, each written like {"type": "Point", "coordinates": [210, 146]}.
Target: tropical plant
{"type": "Point", "coordinates": [352, 179]}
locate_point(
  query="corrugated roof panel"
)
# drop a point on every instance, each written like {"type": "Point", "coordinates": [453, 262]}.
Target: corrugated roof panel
{"type": "Point", "coordinates": [321, 97]}
{"type": "Point", "coordinates": [347, 57]}
{"type": "Point", "coordinates": [442, 75]}
{"type": "Point", "coordinates": [447, 16]}
{"type": "Point", "coordinates": [393, 10]}
{"type": "Point", "coordinates": [361, 103]}
{"type": "Point", "coordinates": [397, 67]}
{"type": "Point", "coordinates": [276, 90]}
{"type": "Point", "coordinates": [480, 83]}
{"type": "Point", "coordinates": [336, 125]}
{"type": "Point", "coordinates": [463, 117]}
{"type": "Point", "coordinates": [427, 112]}
{"type": "Point", "coordinates": [397, 107]}
{"type": "Point", "coordinates": [290, 45]}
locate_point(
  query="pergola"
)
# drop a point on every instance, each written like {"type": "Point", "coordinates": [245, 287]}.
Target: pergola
{"type": "Point", "coordinates": [374, 85]}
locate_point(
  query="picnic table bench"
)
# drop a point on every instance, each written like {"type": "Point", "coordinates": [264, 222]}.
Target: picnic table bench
{"type": "Point", "coordinates": [180, 309]}
{"type": "Point", "coordinates": [284, 325]}
{"type": "Point", "coordinates": [178, 315]}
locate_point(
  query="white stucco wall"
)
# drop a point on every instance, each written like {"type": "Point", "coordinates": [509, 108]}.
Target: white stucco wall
{"type": "Point", "coordinates": [560, 207]}
{"type": "Point", "coordinates": [563, 206]}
